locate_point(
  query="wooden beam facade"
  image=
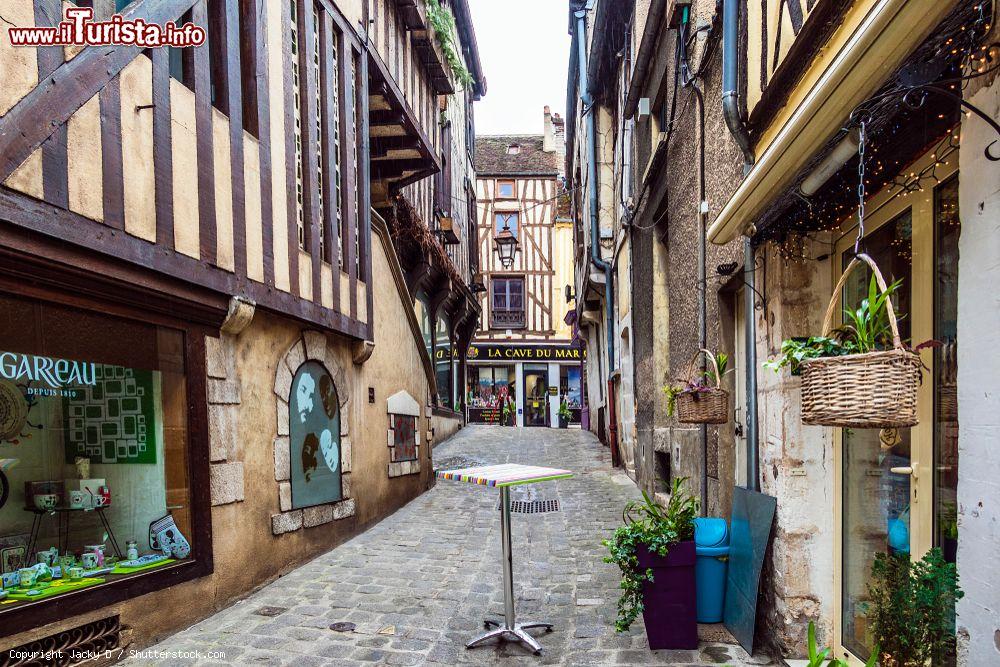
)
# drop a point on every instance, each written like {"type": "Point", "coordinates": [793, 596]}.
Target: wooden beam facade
{"type": "Point", "coordinates": [207, 219]}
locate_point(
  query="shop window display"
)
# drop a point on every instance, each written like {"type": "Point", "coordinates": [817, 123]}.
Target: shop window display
{"type": "Point", "coordinates": [488, 388]}
{"type": "Point", "coordinates": [93, 450]}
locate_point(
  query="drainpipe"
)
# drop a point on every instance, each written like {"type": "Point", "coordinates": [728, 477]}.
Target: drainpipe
{"type": "Point", "coordinates": [731, 81]}
{"type": "Point", "coordinates": [595, 247]}
{"type": "Point", "coordinates": [734, 120]}
{"type": "Point", "coordinates": [750, 329]}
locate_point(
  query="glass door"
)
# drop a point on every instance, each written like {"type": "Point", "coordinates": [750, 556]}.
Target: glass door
{"type": "Point", "coordinates": [896, 487]}
{"type": "Point", "coordinates": [536, 396]}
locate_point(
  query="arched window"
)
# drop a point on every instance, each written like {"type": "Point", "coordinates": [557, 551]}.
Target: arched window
{"type": "Point", "coordinates": [314, 437]}
{"type": "Point", "coordinates": [443, 362]}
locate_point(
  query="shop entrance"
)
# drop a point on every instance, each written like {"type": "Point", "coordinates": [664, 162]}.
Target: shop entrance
{"type": "Point", "coordinates": [896, 489]}
{"type": "Point", "coordinates": [536, 396]}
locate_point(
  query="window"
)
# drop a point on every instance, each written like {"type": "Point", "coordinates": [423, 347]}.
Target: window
{"type": "Point", "coordinates": [505, 190]}
{"type": "Point", "coordinates": [507, 303]}
{"type": "Point", "coordinates": [513, 149]}
{"type": "Point", "coordinates": [443, 361]}
{"type": "Point", "coordinates": [506, 221]}
{"type": "Point", "coordinates": [314, 437]}
{"type": "Point", "coordinates": [404, 434]}
{"type": "Point", "coordinates": [93, 441]}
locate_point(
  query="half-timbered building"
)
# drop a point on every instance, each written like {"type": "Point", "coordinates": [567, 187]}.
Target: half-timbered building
{"type": "Point", "coordinates": [215, 261]}
{"type": "Point", "coordinates": [523, 352]}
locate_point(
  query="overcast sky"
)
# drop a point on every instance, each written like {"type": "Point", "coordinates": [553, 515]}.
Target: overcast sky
{"type": "Point", "coordinates": [524, 48]}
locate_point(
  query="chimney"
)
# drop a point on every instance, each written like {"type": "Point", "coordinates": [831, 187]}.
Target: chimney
{"type": "Point", "coordinates": [549, 142]}
{"type": "Point", "coordinates": [560, 131]}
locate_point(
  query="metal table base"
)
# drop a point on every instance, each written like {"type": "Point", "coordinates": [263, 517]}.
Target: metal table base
{"type": "Point", "coordinates": [509, 630]}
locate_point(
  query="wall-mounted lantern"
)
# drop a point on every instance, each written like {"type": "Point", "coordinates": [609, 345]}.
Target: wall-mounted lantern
{"type": "Point", "coordinates": [506, 246]}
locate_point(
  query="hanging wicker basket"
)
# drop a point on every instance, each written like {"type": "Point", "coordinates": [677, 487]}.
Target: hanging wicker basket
{"type": "Point", "coordinates": [870, 390]}
{"type": "Point", "coordinates": [710, 406]}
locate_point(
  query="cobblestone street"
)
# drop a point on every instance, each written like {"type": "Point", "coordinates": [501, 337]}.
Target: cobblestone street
{"type": "Point", "coordinates": [417, 586]}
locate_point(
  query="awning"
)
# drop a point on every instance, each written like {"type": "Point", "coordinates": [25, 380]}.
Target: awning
{"type": "Point", "coordinates": [887, 35]}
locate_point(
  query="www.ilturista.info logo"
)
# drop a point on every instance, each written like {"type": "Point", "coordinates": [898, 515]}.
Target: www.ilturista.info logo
{"type": "Point", "coordinates": [79, 28]}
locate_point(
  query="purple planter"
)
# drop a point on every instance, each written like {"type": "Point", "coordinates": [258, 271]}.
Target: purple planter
{"type": "Point", "coordinates": [670, 603]}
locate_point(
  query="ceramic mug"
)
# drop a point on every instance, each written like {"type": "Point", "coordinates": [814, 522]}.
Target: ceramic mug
{"type": "Point", "coordinates": [89, 560]}
{"type": "Point", "coordinates": [75, 573]}
{"type": "Point", "coordinates": [77, 500]}
{"type": "Point", "coordinates": [27, 577]}
{"type": "Point", "coordinates": [47, 557]}
{"type": "Point", "coordinates": [131, 550]}
{"type": "Point", "coordinates": [67, 561]}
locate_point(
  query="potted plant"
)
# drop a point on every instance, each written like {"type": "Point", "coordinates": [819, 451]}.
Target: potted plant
{"type": "Point", "coordinates": [816, 657]}
{"type": "Point", "coordinates": [564, 413]}
{"type": "Point", "coordinates": [699, 398]}
{"type": "Point", "coordinates": [508, 412]}
{"type": "Point", "coordinates": [655, 552]}
{"type": "Point", "coordinates": [911, 609]}
{"type": "Point", "coordinates": [860, 375]}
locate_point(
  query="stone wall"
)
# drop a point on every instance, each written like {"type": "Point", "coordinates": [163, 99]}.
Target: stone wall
{"type": "Point", "coordinates": [796, 461]}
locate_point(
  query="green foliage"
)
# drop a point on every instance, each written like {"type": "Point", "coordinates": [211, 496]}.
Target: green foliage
{"type": "Point", "coordinates": [796, 350]}
{"type": "Point", "coordinates": [912, 608]}
{"type": "Point", "coordinates": [816, 657]}
{"type": "Point", "coordinates": [564, 412]}
{"type": "Point", "coordinates": [866, 329]}
{"type": "Point", "coordinates": [443, 23]}
{"type": "Point", "coordinates": [647, 523]}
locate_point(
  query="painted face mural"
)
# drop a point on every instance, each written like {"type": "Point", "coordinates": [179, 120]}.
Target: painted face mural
{"type": "Point", "coordinates": [314, 437]}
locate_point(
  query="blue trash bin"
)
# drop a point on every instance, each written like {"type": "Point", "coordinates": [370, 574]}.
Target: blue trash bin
{"type": "Point", "coordinates": [711, 538]}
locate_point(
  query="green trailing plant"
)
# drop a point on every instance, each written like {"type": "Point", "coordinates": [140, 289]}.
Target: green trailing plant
{"type": "Point", "coordinates": [564, 412]}
{"type": "Point", "coordinates": [866, 329]}
{"type": "Point", "coordinates": [817, 656]}
{"type": "Point", "coordinates": [702, 382]}
{"type": "Point", "coordinates": [657, 528]}
{"type": "Point", "coordinates": [911, 608]}
{"type": "Point", "coordinates": [508, 410]}
{"type": "Point", "coordinates": [443, 23]}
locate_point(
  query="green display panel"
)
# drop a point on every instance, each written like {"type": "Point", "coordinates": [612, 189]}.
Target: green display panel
{"type": "Point", "coordinates": [112, 420]}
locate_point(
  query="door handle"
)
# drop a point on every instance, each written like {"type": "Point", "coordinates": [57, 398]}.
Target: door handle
{"type": "Point", "coordinates": [904, 470]}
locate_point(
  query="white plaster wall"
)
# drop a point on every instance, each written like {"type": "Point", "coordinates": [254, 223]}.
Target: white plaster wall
{"type": "Point", "coordinates": [978, 622]}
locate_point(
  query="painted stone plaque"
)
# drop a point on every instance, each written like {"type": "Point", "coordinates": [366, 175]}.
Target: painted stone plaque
{"type": "Point", "coordinates": [314, 437]}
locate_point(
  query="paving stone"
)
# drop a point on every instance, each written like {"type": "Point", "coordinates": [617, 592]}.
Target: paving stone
{"type": "Point", "coordinates": [409, 572]}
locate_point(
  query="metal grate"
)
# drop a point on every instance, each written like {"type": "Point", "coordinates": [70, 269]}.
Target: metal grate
{"type": "Point", "coordinates": [72, 646]}
{"type": "Point", "coordinates": [532, 506]}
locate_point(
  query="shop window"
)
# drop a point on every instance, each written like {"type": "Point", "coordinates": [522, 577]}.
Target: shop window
{"type": "Point", "coordinates": [507, 302]}
{"type": "Point", "coordinates": [94, 462]}
{"type": "Point", "coordinates": [314, 437]}
{"type": "Point", "coordinates": [443, 361]}
{"type": "Point", "coordinates": [506, 189]}
{"type": "Point", "coordinates": [487, 389]}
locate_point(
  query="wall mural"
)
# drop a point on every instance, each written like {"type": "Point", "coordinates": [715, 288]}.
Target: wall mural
{"type": "Point", "coordinates": [314, 437]}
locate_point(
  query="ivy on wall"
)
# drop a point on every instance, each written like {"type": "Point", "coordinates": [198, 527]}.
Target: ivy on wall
{"type": "Point", "coordinates": [443, 23]}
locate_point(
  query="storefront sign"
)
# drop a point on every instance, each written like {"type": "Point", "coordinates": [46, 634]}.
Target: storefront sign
{"type": "Point", "coordinates": [484, 415]}
{"type": "Point", "coordinates": [501, 352]}
{"type": "Point", "coordinates": [56, 373]}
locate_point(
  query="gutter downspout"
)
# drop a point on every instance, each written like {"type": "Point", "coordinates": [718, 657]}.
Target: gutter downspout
{"type": "Point", "coordinates": [731, 81]}
{"type": "Point", "coordinates": [734, 120]}
{"type": "Point", "coordinates": [595, 247]}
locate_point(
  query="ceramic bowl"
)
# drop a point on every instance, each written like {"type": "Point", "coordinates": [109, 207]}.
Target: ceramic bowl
{"type": "Point", "coordinates": [46, 501]}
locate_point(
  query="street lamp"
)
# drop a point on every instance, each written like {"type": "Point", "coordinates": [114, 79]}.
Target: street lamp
{"type": "Point", "coordinates": [506, 245]}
